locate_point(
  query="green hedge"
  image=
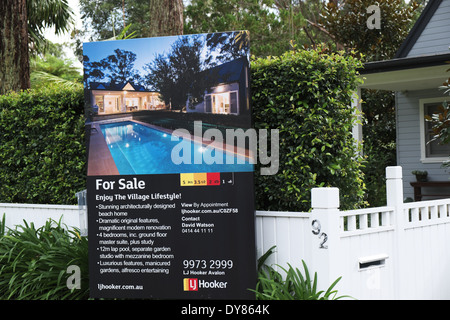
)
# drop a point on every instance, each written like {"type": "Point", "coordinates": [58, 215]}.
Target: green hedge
{"type": "Point", "coordinates": [42, 149]}
{"type": "Point", "coordinates": [307, 96]}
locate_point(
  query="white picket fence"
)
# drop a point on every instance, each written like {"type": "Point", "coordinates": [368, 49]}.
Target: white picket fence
{"type": "Point", "coordinates": [400, 251]}
{"type": "Point", "coordinates": [39, 214]}
{"type": "Point", "coordinates": [70, 216]}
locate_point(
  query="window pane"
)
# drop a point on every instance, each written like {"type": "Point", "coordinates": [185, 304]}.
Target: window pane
{"type": "Point", "coordinates": [433, 149]}
{"type": "Point", "coordinates": [233, 102]}
{"type": "Point", "coordinates": [208, 104]}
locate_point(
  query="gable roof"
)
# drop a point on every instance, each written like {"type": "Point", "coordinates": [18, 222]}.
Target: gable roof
{"type": "Point", "coordinates": [111, 86]}
{"type": "Point", "coordinates": [227, 72]}
{"type": "Point", "coordinates": [418, 28]}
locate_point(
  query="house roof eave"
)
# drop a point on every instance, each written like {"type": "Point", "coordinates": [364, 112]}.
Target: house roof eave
{"type": "Point", "coordinates": [405, 63]}
{"type": "Point", "coordinates": [415, 73]}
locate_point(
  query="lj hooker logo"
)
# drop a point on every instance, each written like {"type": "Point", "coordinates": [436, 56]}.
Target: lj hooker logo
{"type": "Point", "coordinates": [190, 284]}
{"type": "Point", "coordinates": [193, 284]}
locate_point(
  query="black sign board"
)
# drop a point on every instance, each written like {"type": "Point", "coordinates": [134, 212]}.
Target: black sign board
{"type": "Point", "coordinates": [170, 200]}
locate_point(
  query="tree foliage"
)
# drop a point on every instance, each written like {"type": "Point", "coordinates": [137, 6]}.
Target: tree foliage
{"type": "Point", "coordinates": [273, 25]}
{"type": "Point", "coordinates": [346, 21]}
{"type": "Point", "coordinates": [176, 75]}
{"type": "Point", "coordinates": [104, 19]}
{"type": "Point", "coordinates": [441, 119]}
{"type": "Point", "coordinates": [120, 65]}
{"type": "Point", "coordinates": [253, 15]}
{"type": "Point", "coordinates": [227, 46]}
{"type": "Point", "coordinates": [92, 70]}
{"type": "Point", "coordinates": [44, 14]}
{"type": "Point", "coordinates": [53, 67]}
{"type": "Point", "coordinates": [116, 68]}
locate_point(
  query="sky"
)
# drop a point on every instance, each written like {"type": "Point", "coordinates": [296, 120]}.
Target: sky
{"type": "Point", "coordinates": [144, 48]}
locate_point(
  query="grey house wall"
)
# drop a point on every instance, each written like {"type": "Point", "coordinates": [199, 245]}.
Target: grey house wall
{"type": "Point", "coordinates": [435, 38]}
{"type": "Point", "coordinates": [408, 141]}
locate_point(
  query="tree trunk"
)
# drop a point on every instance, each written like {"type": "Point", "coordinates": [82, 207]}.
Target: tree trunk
{"type": "Point", "coordinates": [14, 59]}
{"type": "Point", "coordinates": [166, 17]}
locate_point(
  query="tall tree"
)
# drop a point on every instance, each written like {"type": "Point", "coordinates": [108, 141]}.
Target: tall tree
{"type": "Point", "coordinates": [22, 23]}
{"type": "Point", "coordinates": [166, 17]}
{"type": "Point", "coordinates": [160, 77]}
{"type": "Point", "coordinates": [227, 46]}
{"type": "Point", "coordinates": [103, 19]}
{"type": "Point", "coordinates": [178, 76]}
{"type": "Point", "coordinates": [14, 58]}
{"type": "Point", "coordinates": [298, 18]}
{"type": "Point", "coordinates": [93, 70]}
{"type": "Point", "coordinates": [120, 65]}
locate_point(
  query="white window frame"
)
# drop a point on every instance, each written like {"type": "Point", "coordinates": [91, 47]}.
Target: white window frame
{"type": "Point", "coordinates": [229, 94]}
{"type": "Point", "coordinates": [102, 96]}
{"type": "Point", "coordinates": [423, 157]}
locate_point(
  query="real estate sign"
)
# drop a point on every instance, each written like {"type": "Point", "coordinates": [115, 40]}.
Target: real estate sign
{"type": "Point", "coordinates": [170, 200]}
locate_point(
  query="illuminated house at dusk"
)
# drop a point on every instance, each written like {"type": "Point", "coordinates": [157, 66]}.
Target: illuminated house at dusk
{"type": "Point", "coordinates": [111, 98]}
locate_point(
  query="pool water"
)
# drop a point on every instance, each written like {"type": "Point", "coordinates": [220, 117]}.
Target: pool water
{"type": "Point", "coordinates": [138, 149]}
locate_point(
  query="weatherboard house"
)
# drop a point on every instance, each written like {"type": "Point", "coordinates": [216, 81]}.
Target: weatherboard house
{"type": "Point", "coordinates": [415, 74]}
{"type": "Point", "coordinates": [111, 98]}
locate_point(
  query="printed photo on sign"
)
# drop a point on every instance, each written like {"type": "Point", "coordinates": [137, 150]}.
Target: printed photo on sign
{"type": "Point", "coordinates": [167, 105]}
{"type": "Point", "coordinates": [171, 151]}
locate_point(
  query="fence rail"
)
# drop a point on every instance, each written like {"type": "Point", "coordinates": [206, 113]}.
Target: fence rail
{"type": "Point", "coordinates": [366, 220]}
{"type": "Point", "coordinates": [427, 213]}
{"type": "Point", "coordinates": [38, 214]}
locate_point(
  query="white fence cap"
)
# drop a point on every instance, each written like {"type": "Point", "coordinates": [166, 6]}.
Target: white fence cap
{"type": "Point", "coordinates": [324, 198]}
{"type": "Point", "coordinates": [394, 172]}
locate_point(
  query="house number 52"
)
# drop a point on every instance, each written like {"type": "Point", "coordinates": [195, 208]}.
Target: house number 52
{"type": "Point", "coordinates": [316, 230]}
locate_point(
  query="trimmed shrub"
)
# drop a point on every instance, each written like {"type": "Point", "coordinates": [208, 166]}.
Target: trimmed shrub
{"type": "Point", "coordinates": [42, 149]}
{"type": "Point", "coordinates": [306, 95]}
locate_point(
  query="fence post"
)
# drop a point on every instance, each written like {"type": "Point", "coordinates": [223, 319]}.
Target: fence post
{"type": "Point", "coordinates": [394, 198]}
{"type": "Point", "coordinates": [82, 212]}
{"type": "Point", "coordinates": [325, 236]}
